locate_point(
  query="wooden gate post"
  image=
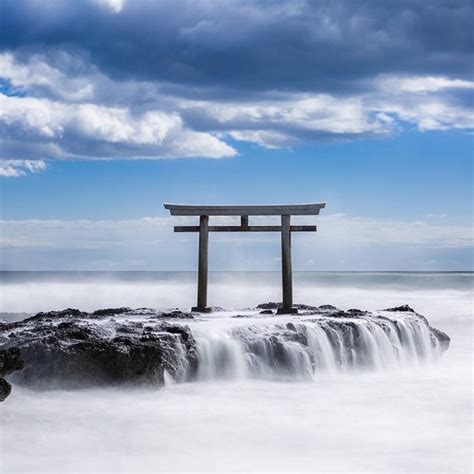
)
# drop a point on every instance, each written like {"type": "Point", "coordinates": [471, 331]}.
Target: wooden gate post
{"type": "Point", "coordinates": [286, 274]}
{"type": "Point", "coordinates": [203, 264]}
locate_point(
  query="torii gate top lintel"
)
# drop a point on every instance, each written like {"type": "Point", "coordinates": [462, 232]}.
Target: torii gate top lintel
{"type": "Point", "coordinates": [285, 211]}
{"type": "Point", "coordinates": [245, 210]}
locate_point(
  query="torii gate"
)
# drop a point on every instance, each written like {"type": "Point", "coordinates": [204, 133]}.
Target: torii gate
{"type": "Point", "coordinates": [285, 211]}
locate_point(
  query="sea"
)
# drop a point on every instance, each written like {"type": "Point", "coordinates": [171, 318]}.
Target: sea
{"type": "Point", "coordinates": [414, 418]}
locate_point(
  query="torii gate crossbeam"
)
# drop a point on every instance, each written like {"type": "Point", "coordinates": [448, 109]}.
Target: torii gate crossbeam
{"type": "Point", "coordinates": [244, 211]}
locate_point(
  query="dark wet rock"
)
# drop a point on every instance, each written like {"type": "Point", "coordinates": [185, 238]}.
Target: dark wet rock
{"type": "Point", "coordinates": [352, 313]}
{"type": "Point", "coordinates": [10, 361]}
{"type": "Point", "coordinates": [175, 314]}
{"type": "Point", "coordinates": [327, 307]}
{"type": "Point", "coordinates": [62, 351]}
{"type": "Point", "coordinates": [5, 389]}
{"type": "Point", "coordinates": [6, 325]}
{"type": "Point", "coordinates": [338, 314]}
{"type": "Point", "coordinates": [71, 330]}
{"type": "Point", "coordinates": [111, 311]}
{"type": "Point", "coordinates": [356, 312]}
{"type": "Point", "coordinates": [442, 337]}
{"type": "Point", "coordinates": [291, 327]}
{"type": "Point", "coordinates": [209, 309]}
{"type": "Point", "coordinates": [269, 305]}
{"type": "Point", "coordinates": [305, 307]}
{"type": "Point", "coordinates": [55, 315]}
{"type": "Point", "coordinates": [130, 327]}
{"type": "Point", "coordinates": [282, 311]}
{"type": "Point", "coordinates": [266, 311]}
{"type": "Point", "coordinates": [404, 308]}
{"type": "Point", "coordinates": [274, 305]}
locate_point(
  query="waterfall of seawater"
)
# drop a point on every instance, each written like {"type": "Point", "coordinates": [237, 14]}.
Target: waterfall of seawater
{"type": "Point", "coordinates": [303, 349]}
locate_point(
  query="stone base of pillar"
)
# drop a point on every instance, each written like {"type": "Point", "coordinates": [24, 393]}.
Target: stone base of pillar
{"type": "Point", "coordinates": [287, 311]}
{"type": "Point", "coordinates": [196, 309]}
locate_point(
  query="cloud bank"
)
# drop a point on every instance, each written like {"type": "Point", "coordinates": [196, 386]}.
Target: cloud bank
{"type": "Point", "coordinates": [342, 242]}
{"type": "Point", "coordinates": [122, 79]}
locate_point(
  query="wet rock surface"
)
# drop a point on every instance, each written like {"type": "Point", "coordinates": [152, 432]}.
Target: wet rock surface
{"type": "Point", "coordinates": [124, 346]}
{"type": "Point", "coordinates": [10, 361]}
{"type": "Point", "coordinates": [74, 349]}
{"type": "Point", "coordinates": [275, 305]}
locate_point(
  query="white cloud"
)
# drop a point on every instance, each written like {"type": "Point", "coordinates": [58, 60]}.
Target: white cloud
{"type": "Point", "coordinates": [37, 76]}
{"type": "Point", "coordinates": [16, 168]}
{"type": "Point", "coordinates": [421, 83]}
{"type": "Point", "coordinates": [289, 118]}
{"type": "Point", "coordinates": [344, 229]}
{"type": "Point", "coordinates": [342, 242]}
{"type": "Point", "coordinates": [264, 138]}
{"type": "Point", "coordinates": [427, 113]}
{"type": "Point", "coordinates": [109, 131]}
{"type": "Point", "coordinates": [333, 229]}
{"type": "Point", "coordinates": [116, 6]}
{"type": "Point", "coordinates": [70, 110]}
{"type": "Point", "coordinates": [35, 72]}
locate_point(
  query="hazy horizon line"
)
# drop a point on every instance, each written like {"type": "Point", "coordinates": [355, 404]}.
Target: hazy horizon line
{"type": "Point", "coordinates": [236, 271]}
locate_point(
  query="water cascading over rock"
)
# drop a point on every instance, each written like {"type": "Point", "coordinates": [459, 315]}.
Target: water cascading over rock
{"type": "Point", "coordinates": [328, 341]}
{"type": "Point", "coordinates": [72, 349]}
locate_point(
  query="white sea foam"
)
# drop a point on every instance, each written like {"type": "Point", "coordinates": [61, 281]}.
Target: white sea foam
{"type": "Point", "coordinates": [433, 294]}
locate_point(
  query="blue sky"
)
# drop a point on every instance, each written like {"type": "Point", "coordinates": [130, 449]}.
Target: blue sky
{"type": "Point", "coordinates": [110, 108]}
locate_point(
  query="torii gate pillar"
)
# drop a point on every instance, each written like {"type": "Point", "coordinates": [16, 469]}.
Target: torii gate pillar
{"type": "Point", "coordinates": [203, 264]}
{"type": "Point", "coordinates": [244, 212]}
{"type": "Point", "coordinates": [286, 273]}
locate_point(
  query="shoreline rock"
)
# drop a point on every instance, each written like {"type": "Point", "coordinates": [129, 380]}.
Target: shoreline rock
{"type": "Point", "coordinates": [10, 361]}
{"type": "Point", "coordinates": [74, 349]}
{"type": "Point", "coordinates": [124, 346]}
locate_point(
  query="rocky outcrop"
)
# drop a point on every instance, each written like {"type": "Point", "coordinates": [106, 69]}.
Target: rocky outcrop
{"type": "Point", "coordinates": [73, 349]}
{"type": "Point", "coordinates": [274, 305]}
{"type": "Point", "coordinates": [123, 346]}
{"type": "Point", "coordinates": [10, 360]}
{"type": "Point", "coordinates": [403, 309]}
